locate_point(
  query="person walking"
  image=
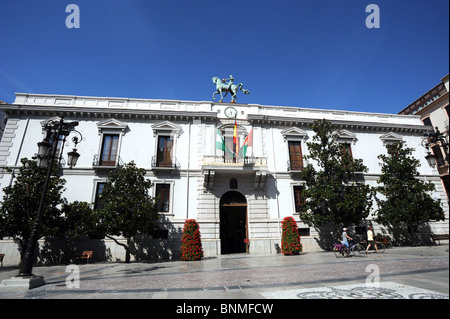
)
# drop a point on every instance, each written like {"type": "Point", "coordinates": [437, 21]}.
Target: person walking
{"type": "Point", "coordinates": [370, 240]}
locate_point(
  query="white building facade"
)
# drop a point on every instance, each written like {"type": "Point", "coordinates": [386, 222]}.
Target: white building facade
{"type": "Point", "coordinates": [238, 202]}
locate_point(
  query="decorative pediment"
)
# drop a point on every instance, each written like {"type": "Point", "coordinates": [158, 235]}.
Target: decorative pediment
{"type": "Point", "coordinates": [166, 127]}
{"type": "Point", "coordinates": [345, 136]}
{"type": "Point", "coordinates": [112, 125]}
{"type": "Point", "coordinates": [294, 133]}
{"type": "Point", "coordinates": [391, 137]}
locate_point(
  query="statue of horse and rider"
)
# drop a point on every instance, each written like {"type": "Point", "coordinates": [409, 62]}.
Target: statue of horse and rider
{"type": "Point", "coordinates": [223, 87]}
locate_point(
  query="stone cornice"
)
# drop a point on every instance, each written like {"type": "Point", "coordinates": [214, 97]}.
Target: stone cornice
{"type": "Point", "coordinates": [340, 124]}
{"type": "Point", "coordinates": [130, 109]}
{"type": "Point", "coordinates": [97, 112]}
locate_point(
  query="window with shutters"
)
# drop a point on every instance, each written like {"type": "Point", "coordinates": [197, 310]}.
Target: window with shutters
{"type": "Point", "coordinates": [295, 155]}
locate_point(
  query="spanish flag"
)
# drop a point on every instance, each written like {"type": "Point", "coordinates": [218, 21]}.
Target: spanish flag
{"type": "Point", "coordinates": [235, 140]}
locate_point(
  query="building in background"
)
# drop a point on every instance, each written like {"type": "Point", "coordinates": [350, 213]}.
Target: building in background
{"type": "Point", "coordinates": [188, 149]}
{"type": "Point", "coordinates": [433, 109]}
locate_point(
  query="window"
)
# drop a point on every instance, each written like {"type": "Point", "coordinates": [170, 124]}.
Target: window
{"type": "Point", "coordinates": [110, 149]}
{"type": "Point", "coordinates": [164, 151]}
{"type": "Point", "coordinates": [229, 149]}
{"type": "Point", "coordinates": [162, 195]}
{"type": "Point", "coordinates": [299, 200]}
{"type": "Point", "coordinates": [98, 202]}
{"type": "Point", "coordinates": [160, 234]}
{"type": "Point", "coordinates": [346, 148]}
{"type": "Point", "coordinates": [304, 231]}
{"type": "Point", "coordinates": [295, 155]}
{"type": "Point", "coordinates": [110, 132]}
{"type": "Point", "coordinates": [166, 135]}
{"type": "Point", "coordinates": [293, 137]}
{"type": "Point", "coordinates": [427, 121]}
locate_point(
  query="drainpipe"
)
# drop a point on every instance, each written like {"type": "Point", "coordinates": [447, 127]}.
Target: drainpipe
{"type": "Point", "coordinates": [187, 175]}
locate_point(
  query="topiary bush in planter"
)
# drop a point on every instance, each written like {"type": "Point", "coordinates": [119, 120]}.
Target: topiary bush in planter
{"type": "Point", "coordinates": [191, 243]}
{"type": "Point", "coordinates": [290, 240]}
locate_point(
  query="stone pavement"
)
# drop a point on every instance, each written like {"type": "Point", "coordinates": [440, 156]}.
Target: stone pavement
{"type": "Point", "coordinates": [403, 272]}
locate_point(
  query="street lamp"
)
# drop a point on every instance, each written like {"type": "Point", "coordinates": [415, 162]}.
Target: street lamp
{"type": "Point", "coordinates": [72, 157]}
{"type": "Point", "coordinates": [435, 138]}
{"type": "Point", "coordinates": [55, 131]}
{"type": "Point", "coordinates": [431, 159]}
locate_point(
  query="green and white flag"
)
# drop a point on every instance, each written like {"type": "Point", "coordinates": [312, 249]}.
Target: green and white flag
{"type": "Point", "coordinates": [220, 143]}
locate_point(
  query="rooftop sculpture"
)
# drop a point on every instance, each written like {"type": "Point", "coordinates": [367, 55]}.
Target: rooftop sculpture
{"type": "Point", "coordinates": [224, 87]}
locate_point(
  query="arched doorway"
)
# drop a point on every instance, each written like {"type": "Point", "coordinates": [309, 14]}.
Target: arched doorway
{"type": "Point", "coordinates": [233, 223]}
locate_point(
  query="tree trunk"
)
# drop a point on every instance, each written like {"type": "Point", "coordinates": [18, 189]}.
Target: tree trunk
{"type": "Point", "coordinates": [125, 246]}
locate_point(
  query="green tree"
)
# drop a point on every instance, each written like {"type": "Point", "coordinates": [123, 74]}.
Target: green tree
{"type": "Point", "coordinates": [20, 204]}
{"type": "Point", "coordinates": [334, 197]}
{"type": "Point", "coordinates": [128, 209]}
{"type": "Point", "coordinates": [80, 221]}
{"type": "Point", "coordinates": [406, 200]}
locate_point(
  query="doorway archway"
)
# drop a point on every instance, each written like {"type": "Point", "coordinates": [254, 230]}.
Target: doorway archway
{"type": "Point", "coordinates": [233, 223]}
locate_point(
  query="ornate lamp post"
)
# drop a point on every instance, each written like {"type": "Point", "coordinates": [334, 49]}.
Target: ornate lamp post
{"type": "Point", "coordinates": [435, 138]}
{"type": "Point", "coordinates": [55, 131]}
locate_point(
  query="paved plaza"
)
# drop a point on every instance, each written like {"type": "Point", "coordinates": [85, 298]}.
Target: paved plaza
{"type": "Point", "coordinates": [401, 272]}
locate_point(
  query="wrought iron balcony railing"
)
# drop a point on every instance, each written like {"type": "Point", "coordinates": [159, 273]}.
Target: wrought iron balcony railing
{"type": "Point", "coordinates": [165, 164]}
{"type": "Point", "coordinates": [236, 161]}
{"type": "Point", "coordinates": [110, 161]}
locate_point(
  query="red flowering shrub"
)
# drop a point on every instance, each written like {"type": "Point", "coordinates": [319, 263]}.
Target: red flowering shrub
{"type": "Point", "coordinates": [290, 240]}
{"type": "Point", "coordinates": [191, 244]}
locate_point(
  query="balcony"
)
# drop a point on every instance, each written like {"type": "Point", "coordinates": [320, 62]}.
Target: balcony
{"type": "Point", "coordinates": [295, 166]}
{"type": "Point", "coordinates": [100, 162]}
{"type": "Point", "coordinates": [248, 167]}
{"type": "Point", "coordinates": [239, 162]}
{"type": "Point", "coordinates": [168, 165]}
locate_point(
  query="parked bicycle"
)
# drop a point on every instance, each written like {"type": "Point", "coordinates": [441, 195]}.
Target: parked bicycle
{"type": "Point", "coordinates": [344, 251]}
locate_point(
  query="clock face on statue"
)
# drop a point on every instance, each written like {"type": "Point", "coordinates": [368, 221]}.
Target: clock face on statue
{"type": "Point", "coordinates": [230, 112]}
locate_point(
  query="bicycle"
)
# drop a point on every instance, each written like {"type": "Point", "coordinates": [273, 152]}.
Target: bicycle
{"type": "Point", "coordinates": [353, 249]}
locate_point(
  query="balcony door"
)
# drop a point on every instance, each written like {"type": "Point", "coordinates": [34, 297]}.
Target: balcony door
{"type": "Point", "coordinates": [109, 149]}
{"type": "Point", "coordinates": [295, 155]}
{"type": "Point", "coordinates": [164, 152]}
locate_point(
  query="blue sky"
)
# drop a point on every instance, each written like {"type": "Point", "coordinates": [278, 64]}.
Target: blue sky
{"type": "Point", "coordinates": [306, 53]}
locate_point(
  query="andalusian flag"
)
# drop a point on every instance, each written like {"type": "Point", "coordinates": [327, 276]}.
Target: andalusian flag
{"type": "Point", "coordinates": [220, 144]}
{"type": "Point", "coordinates": [235, 140]}
{"type": "Point", "coordinates": [248, 142]}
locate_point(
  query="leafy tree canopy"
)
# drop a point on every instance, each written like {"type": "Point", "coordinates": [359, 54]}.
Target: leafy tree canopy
{"type": "Point", "coordinates": [20, 204]}
{"type": "Point", "coordinates": [406, 200]}
{"type": "Point", "coordinates": [334, 195]}
{"type": "Point", "coordinates": [128, 207]}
